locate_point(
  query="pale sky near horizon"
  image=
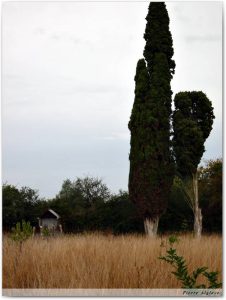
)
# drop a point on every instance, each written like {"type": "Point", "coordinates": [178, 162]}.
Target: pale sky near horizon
{"type": "Point", "coordinates": [68, 85]}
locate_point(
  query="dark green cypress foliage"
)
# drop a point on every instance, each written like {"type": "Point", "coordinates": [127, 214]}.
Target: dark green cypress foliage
{"type": "Point", "coordinates": [151, 166]}
{"type": "Point", "coordinates": [157, 35]}
{"type": "Point", "coordinates": [138, 134]}
{"type": "Point", "coordinates": [192, 123]}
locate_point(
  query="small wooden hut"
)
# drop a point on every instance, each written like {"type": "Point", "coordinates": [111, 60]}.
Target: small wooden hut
{"type": "Point", "coordinates": [50, 220]}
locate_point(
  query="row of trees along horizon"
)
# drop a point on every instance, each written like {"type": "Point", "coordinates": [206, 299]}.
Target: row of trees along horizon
{"type": "Point", "coordinates": [87, 204]}
{"type": "Point", "coordinates": [166, 149]}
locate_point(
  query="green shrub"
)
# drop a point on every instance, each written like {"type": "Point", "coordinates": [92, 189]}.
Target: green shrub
{"type": "Point", "coordinates": [22, 231]}
{"type": "Point", "coordinates": [189, 281]}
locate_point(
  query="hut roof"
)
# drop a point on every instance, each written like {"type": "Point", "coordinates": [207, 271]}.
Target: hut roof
{"type": "Point", "coordinates": [50, 214]}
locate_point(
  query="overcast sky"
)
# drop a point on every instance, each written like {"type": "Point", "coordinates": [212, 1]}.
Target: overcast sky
{"type": "Point", "coordinates": [68, 85]}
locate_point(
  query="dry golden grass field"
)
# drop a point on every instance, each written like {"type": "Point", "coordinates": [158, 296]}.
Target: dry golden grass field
{"type": "Point", "coordinates": [102, 261]}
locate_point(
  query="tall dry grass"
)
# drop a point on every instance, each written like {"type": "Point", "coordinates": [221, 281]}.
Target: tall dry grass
{"type": "Point", "coordinates": [98, 261]}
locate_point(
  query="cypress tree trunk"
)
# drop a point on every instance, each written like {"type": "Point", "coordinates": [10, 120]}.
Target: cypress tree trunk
{"type": "Point", "coordinates": [151, 226]}
{"type": "Point", "coordinates": [197, 210]}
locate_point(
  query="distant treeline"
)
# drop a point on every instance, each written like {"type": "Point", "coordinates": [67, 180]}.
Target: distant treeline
{"type": "Point", "coordinates": [87, 204]}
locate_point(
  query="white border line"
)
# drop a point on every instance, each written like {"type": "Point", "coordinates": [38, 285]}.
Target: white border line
{"type": "Point", "coordinates": [113, 292]}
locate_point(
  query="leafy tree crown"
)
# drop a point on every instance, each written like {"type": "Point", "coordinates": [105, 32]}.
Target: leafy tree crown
{"type": "Point", "coordinates": [192, 123]}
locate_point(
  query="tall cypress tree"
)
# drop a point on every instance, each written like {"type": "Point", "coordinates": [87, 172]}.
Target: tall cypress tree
{"type": "Point", "coordinates": [151, 167]}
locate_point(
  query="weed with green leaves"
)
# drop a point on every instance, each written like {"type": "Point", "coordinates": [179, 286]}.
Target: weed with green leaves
{"type": "Point", "coordinates": [189, 281]}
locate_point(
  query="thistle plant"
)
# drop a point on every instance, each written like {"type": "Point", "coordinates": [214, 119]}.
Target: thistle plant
{"type": "Point", "coordinates": [189, 280]}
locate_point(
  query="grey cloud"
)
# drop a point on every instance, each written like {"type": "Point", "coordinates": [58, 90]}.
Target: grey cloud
{"type": "Point", "coordinates": [76, 40]}
{"type": "Point", "coordinates": [98, 89]}
{"type": "Point", "coordinates": [55, 36]}
{"type": "Point", "coordinates": [65, 37]}
{"type": "Point", "coordinates": [204, 38]}
{"type": "Point", "coordinates": [70, 87]}
{"type": "Point", "coordinates": [117, 136]}
{"type": "Point", "coordinates": [183, 18]}
{"type": "Point", "coordinates": [180, 12]}
{"type": "Point", "coordinates": [39, 31]}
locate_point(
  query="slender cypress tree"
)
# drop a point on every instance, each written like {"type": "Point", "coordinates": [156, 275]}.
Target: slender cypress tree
{"type": "Point", "coordinates": [151, 167]}
{"type": "Point", "coordinates": [192, 123]}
